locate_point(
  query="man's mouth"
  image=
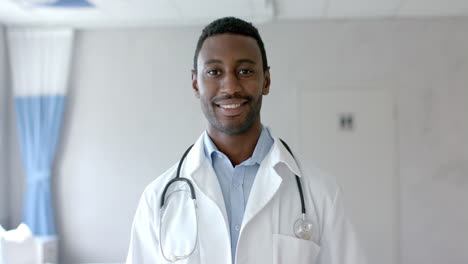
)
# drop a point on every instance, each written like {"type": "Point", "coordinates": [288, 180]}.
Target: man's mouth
{"type": "Point", "coordinates": [231, 103]}
{"type": "Point", "coordinates": [231, 107]}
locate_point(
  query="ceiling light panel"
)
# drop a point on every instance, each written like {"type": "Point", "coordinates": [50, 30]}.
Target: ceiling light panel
{"type": "Point", "coordinates": [293, 9]}
{"type": "Point", "coordinates": [59, 3]}
{"type": "Point", "coordinates": [69, 17]}
{"type": "Point", "coordinates": [138, 10]}
{"type": "Point", "coordinates": [433, 8]}
{"type": "Point", "coordinates": [362, 8]}
{"type": "Point", "coordinates": [206, 10]}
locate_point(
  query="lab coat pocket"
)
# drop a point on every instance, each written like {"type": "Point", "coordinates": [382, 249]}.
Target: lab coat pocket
{"type": "Point", "coordinates": [288, 249]}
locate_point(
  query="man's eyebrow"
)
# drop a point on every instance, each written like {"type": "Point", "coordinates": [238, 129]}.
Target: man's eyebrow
{"type": "Point", "coordinates": [213, 61]}
{"type": "Point", "coordinates": [246, 61]}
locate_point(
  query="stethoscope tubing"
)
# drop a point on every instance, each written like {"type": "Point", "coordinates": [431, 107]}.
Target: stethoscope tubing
{"type": "Point", "coordinates": [298, 180]}
{"type": "Point", "coordinates": [192, 190]}
{"type": "Point", "coordinates": [178, 178]}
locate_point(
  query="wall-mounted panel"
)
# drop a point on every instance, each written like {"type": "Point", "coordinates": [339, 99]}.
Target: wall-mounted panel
{"type": "Point", "coordinates": [351, 134]}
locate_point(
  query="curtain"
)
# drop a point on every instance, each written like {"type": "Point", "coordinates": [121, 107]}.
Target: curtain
{"type": "Point", "coordinates": [40, 62]}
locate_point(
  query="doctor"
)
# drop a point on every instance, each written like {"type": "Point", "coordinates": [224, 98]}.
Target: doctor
{"type": "Point", "coordinates": [248, 206]}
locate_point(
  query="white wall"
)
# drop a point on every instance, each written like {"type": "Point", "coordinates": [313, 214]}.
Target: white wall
{"type": "Point", "coordinates": [4, 190]}
{"type": "Point", "coordinates": [131, 113]}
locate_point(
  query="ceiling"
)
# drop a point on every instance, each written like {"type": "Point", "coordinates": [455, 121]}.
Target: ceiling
{"type": "Point", "coordinates": [129, 13]}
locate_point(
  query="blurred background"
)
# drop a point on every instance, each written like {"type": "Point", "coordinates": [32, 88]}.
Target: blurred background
{"type": "Point", "coordinates": [374, 92]}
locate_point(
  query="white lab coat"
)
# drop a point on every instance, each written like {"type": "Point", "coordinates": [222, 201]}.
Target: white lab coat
{"type": "Point", "coordinates": [267, 233]}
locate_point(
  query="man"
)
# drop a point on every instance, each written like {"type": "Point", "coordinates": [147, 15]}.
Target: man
{"type": "Point", "coordinates": [248, 202]}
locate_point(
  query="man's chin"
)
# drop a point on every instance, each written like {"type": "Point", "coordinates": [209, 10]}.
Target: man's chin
{"type": "Point", "coordinates": [233, 129]}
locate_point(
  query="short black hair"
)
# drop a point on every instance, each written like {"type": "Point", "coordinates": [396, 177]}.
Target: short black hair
{"type": "Point", "coordinates": [230, 25]}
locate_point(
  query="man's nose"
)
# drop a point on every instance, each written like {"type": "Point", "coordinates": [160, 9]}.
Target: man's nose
{"type": "Point", "coordinates": [230, 83]}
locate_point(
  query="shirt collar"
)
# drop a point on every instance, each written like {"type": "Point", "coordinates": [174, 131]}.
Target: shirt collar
{"type": "Point", "coordinates": [264, 143]}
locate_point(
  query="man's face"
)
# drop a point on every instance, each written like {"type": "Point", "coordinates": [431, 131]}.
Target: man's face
{"type": "Point", "coordinates": [230, 82]}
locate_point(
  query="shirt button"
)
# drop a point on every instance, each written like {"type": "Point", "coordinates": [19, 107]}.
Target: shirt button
{"type": "Point", "coordinates": [236, 185]}
{"type": "Point", "coordinates": [237, 227]}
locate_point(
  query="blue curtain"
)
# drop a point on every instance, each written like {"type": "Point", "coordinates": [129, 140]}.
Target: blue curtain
{"type": "Point", "coordinates": [39, 121]}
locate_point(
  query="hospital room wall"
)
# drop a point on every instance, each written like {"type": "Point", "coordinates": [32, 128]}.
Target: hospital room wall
{"type": "Point", "coordinates": [131, 113]}
{"type": "Point", "coordinates": [4, 190]}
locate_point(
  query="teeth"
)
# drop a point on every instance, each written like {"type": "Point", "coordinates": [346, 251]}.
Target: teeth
{"type": "Point", "coordinates": [230, 106]}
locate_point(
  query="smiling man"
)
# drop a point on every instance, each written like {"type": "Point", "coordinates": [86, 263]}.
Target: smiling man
{"type": "Point", "coordinates": [230, 78]}
{"type": "Point", "coordinates": [238, 195]}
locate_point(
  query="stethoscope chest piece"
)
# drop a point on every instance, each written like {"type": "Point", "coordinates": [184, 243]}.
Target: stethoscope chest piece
{"type": "Point", "coordinates": [303, 229]}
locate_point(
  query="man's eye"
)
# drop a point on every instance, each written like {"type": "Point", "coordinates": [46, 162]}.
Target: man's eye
{"type": "Point", "coordinates": [214, 72]}
{"type": "Point", "coordinates": [245, 71]}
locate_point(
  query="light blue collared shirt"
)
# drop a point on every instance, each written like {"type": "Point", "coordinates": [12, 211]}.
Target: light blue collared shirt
{"type": "Point", "coordinates": [236, 182]}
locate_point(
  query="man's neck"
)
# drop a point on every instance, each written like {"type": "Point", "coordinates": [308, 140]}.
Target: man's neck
{"type": "Point", "coordinates": [237, 148]}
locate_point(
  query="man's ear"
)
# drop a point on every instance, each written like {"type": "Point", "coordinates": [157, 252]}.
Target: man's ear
{"type": "Point", "coordinates": [266, 82]}
{"type": "Point", "coordinates": [195, 84]}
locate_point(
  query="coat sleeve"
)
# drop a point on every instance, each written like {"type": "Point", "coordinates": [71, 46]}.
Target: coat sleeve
{"type": "Point", "coordinates": [339, 241]}
{"type": "Point", "coordinates": [144, 244]}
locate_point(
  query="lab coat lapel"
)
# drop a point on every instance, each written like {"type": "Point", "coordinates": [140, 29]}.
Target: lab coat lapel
{"type": "Point", "coordinates": [267, 180]}
{"type": "Point", "coordinates": [200, 171]}
{"type": "Point", "coordinates": [266, 184]}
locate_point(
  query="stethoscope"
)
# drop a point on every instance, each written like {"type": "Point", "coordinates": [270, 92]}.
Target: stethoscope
{"type": "Point", "coordinates": [302, 226]}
